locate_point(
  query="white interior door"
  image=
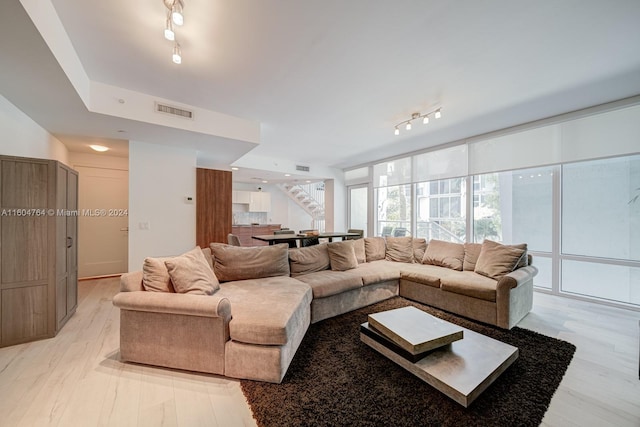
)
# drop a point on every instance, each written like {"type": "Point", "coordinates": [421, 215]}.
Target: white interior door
{"type": "Point", "coordinates": [103, 234]}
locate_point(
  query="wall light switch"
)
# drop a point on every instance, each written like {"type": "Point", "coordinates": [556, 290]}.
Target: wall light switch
{"type": "Point", "coordinates": [144, 225]}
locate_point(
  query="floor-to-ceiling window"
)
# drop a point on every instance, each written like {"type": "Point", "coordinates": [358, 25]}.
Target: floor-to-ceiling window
{"type": "Point", "coordinates": [601, 229]}
{"type": "Point", "coordinates": [517, 207]}
{"type": "Point", "coordinates": [393, 198]}
{"type": "Point", "coordinates": [358, 206]}
{"type": "Point", "coordinates": [441, 210]}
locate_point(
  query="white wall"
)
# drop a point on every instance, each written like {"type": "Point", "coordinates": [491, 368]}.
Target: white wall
{"type": "Point", "coordinates": [159, 179]}
{"type": "Point", "coordinates": [23, 137]}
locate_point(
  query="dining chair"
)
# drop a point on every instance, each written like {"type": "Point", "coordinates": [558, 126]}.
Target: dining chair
{"type": "Point", "coordinates": [292, 243]}
{"type": "Point", "coordinates": [400, 232]}
{"type": "Point", "coordinates": [355, 230]}
{"type": "Point", "coordinates": [310, 241]}
{"type": "Point", "coordinates": [387, 230]}
{"type": "Point", "coordinates": [233, 240]}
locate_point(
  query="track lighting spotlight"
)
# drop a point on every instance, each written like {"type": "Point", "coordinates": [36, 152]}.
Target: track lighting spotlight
{"type": "Point", "coordinates": [425, 119]}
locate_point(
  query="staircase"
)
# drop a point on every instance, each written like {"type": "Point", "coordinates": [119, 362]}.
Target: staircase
{"type": "Point", "coordinates": [310, 197]}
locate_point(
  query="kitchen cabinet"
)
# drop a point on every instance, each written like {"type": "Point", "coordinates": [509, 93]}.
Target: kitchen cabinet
{"type": "Point", "coordinates": [260, 202]}
{"type": "Point", "coordinates": [243, 197]}
{"type": "Point", "coordinates": [244, 233]}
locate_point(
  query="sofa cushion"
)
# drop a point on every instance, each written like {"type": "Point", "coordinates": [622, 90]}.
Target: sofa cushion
{"type": "Point", "coordinates": [342, 255]}
{"type": "Point", "coordinates": [420, 277]}
{"type": "Point", "coordinates": [191, 274]}
{"type": "Point", "coordinates": [470, 284]}
{"type": "Point", "coordinates": [444, 254]}
{"type": "Point", "coordinates": [399, 249]}
{"type": "Point", "coordinates": [358, 247]}
{"type": "Point", "coordinates": [496, 260]}
{"type": "Point", "coordinates": [471, 253]}
{"type": "Point", "coordinates": [378, 271]}
{"type": "Point", "coordinates": [155, 277]}
{"type": "Point", "coordinates": [266, 311]}
{"type": "Point", "coordinates": [419, 246]}
{"type": "Point", "coordinates": [243, 263]}
{"type": "Point", "coordinates": [308, 260]}
{"type": "Point", "coordinates": [329, 282]}
{"type": "Point", "coordinates": [375, 248]}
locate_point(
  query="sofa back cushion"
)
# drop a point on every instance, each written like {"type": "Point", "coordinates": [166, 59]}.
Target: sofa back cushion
{"type": "Point", "coordinates": [471, 253]}
{"type": "Point", "coordinates": [444, 254]}
{"type": "Point", "coordinates": [419, 246]}
{"type": "Point", "coordinates": [191, 274]}
{"type": "Point", "coordinates": [374, 248]}
{"type": "Point", "coordinates": [496, 260]}
{"type": "Point", "coordinates": [361, 253]}
{"type": "Point", "coordinates": [309, 259]}
{"type": "Point", "coordinates": [250, 262]}
{"type": "Point", "coordinates": [342, 255]}
{"type": "Point", "coordinates": [399, 249]}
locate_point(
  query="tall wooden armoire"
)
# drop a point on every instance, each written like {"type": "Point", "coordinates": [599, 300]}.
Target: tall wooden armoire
{"type": "Point", "coordinates": [38, 248]}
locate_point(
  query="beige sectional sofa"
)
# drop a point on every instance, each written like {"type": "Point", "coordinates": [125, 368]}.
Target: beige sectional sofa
{"type": "Point", "coordinates": [261, 300]}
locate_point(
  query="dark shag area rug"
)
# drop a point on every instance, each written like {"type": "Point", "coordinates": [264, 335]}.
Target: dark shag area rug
{"type": "Point", "coordinates": [336, 380]}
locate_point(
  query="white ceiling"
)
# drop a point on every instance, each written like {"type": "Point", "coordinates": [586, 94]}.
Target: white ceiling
{"type": "Point", "coordinates": [328, 80]}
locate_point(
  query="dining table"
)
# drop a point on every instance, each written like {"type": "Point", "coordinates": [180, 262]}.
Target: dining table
{"type": "Point", "coordinates": [272, 239]}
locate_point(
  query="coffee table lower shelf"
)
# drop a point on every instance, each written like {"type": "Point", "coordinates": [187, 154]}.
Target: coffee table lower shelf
{"type": "Point", "coordinates": [461, 370]}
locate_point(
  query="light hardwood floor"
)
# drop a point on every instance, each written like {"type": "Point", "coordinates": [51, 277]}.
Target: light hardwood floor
{"type": "Point", "coordinates": [76, 379]}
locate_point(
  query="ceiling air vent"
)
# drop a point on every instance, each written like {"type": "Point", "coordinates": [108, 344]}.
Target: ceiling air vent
{"type": "Point", "coordinates": [174, 111]}
{"type": "Point", "coordinates": [302, 168]}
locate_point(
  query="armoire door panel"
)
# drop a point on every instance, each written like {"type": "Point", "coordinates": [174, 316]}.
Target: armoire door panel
{"type": "Point", "coordinates": [24, 185]}
{"type": "Point", "coordinates": [24, 314]}
{"type": "Point", "coordinates": [24, 248]}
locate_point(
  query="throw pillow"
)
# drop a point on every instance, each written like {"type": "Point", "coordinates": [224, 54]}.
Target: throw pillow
{"type": "Point", "coordinates": [444, 254]}
{"type": "Point", "coordinates": [496, 260]}
{"type": "Point", "coordinates": [155, 277]}
{"type": "Point", "coordinates": [419, 246]}
{"type": "Point", "coordinates": [342, 255]}
{"type": "Point", "coordinates": [471, 253]}
{"type": "Point", "coordinates": [309, 260]}
{"type": "Point", "coordinates": [374, 248]}
{"type": "Point", "coordinates": [249, 262]}
{"type": "Point", "coordinates": [191, 274]}
{"type": "Point", "coordinates": [361, 253]}
{"type": "Point", "coordinates": [399, 249]}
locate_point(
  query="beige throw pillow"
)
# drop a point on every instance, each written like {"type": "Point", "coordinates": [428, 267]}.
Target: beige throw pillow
{"type": "Point", "coordinates": [249, 262]}
{"type": "Point", "coordinates": [496, 260]}
{"type": "Point", "coordinates": [191, 274]}
{"type": "Point", "coordinates": [471, 253]}
{"type": "Point", "coordinates": [374, 248]}
{"type": "Point", "coordinates": [155, 277]}
{"type": "Point", "coordinates": [342, 255]}
{"type": "Point", "coordinates": [309, 260]}
{"type": "Point", "coordinates": [444, 254]}
{"type": "Point", "coordinates": [361, 254]}
{"type": "Point", "coordinates": [419, 246]}
{"type": "Point", "coordinates": [399, 249]}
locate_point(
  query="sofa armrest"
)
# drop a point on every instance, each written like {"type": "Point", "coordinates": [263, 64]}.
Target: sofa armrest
{"type": "Point", "coordinates": [517, 277]}
{"type": "Point", "coordinates": [514, 296]}
{"type": "Point", "coordinates": [170, 303]}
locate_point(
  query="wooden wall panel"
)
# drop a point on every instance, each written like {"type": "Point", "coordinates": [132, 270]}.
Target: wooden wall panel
{"type": "Point", "coordinates": [213, 206]}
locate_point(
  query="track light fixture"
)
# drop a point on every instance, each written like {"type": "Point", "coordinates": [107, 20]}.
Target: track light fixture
{"type": "Point", "coordinates": [415, 116]}
{"type": "Point", "coordinates": [174, 17]}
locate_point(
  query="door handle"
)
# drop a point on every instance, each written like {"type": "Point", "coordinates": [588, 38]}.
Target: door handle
{"type": "Point", "coordinates": [124, 229]}
{"type": "Point", "coordinates": [69, 242]}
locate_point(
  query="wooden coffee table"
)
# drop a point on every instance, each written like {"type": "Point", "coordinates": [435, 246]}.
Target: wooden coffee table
{"type": "Point", "coordinates": [461, 369]}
